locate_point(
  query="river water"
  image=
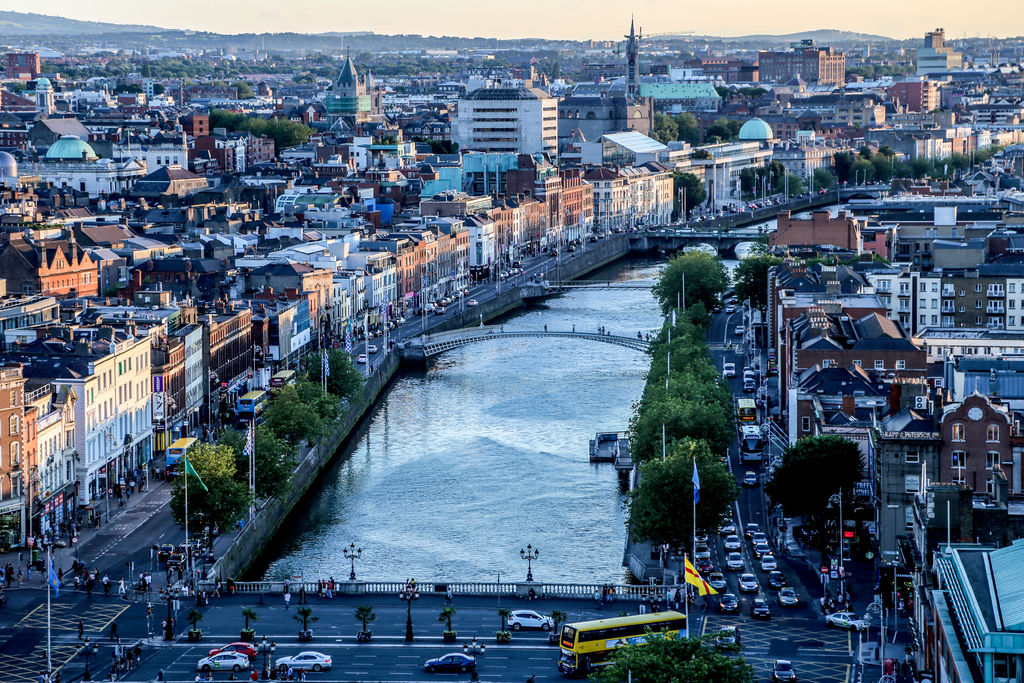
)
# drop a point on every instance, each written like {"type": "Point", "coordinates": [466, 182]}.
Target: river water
{"type": "Point", "coordinates": [463, 465]}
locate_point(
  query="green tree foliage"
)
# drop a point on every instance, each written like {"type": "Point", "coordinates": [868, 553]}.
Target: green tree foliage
{"type": "Point", "coordinates": [751, 278]}
{"type": "Point", "coordinates": [225, 499]}
{"type": "Point", "coordinates": [665, 129]}
{"type": "Point", "coordinates": [706, 279]}
{"type": "Point", "coordinates": [795, 185]}
{"type": "Point", "coordinates": [284, 133]}
{"type": "Point", "coordinates": [695, 194]}
{"type": "Point", "coordinates": [274, 460]}
{"type": "Point", "coordinates": [345, 379]}
{"type": "Point", "coordinates": [823, 180]}
{"type": "Point", "coordinates": [689, 129]}
{"type": "Point", "coordinates": [301, 412]}
{"type": "Point", "coordinates": [666, 659]}
{"type": "Point", "coordinates": [812, 470]}
{"type": "Point", "coordinates": [862, 171]}
{"type": "Point", "coordinates": [723, 130]}
{"type": "Point", "coordinates": [660, 507]}
{"type": "Point", "coordinates": [843, 162]}
{"type": "Point", "coordinates": [244, 90]}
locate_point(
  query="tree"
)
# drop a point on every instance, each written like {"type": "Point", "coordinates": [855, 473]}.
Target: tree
{"type": "Point", "coordinates": [921, 167]}
{"type": "Point", "coordinates": [274, 460]}
{"type": "Point", "coordinates": [665, 129]}
{"type": "Point", "coordinates": [843, 162]}
{"type": "Point", "coordinates": [693, 187]}
{"type": "Point", "coordinates": [249, 615]}
{"type": "Point", "coordinates": [748, 180]}
{"type": "Point", "coordinates": [365, 615]}
{"type": "Point", "coordinates": [705, 280]}
{"type": "Point", "coordinates": [723, 129]}
{"type": "Point", "coordinates": [659, 507]}
{"type": "Point", "coordinates": [445, 617]}
{"type": "Point", "coordinates": [244, 90]}
{"type": "Point", "coordinates": [862, 171]}
{"type": "Point", "coordinates": [795, 185]}
{"type": "Point", "coordinates": [751, 279]}
{"type": "Point", "coordinates": [673, 659]}
{"type": "Point", "coordinates": [823, 179]}
{"type": "Point", "coordinates": [304, 615]}
{"type": "Point", "coordinates": [699, 416]}
{"type": "Point", "coordinates": [812, 470]}
{"type": "Point", "coordinates": [299, 412]}
{"type": "Point", "coordinates": [504, 613]}
{"type": "Point", "coordinates": [345, 379]}
{"type": "Point", "coordinates": [689, 129]}
{"type": "Point", "coordinates": [225, 499]}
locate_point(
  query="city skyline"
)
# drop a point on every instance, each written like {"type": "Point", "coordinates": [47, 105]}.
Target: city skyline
{"type": "Point", "coordinates": [909, 19]}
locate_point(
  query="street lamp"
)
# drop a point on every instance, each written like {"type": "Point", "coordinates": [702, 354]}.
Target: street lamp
{"type": "Point", "coordinates": [837, 499]}
{"type": "Point", "coordinates": [529, 554]}
{"type": "Point", "coordinates": [352, 553]}
{"type": "Point", "coordinates": [409, 594]}
{"type": "Point", "coordinates": [268, 654]}
{"type": "Point", "coordinates": [124, 457]}
{"type": "Point", "coordinates": [169, 594]}
{"type": "Point", "coordinates": [473, 648]}
{"type": "Point", "coordinates": [88, 651]}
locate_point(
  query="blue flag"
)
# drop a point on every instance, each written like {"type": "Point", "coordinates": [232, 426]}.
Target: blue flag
{"type": "Point", "coordinates": [696, 482]}
{"type": "Point", "coordinates": [51, 578]}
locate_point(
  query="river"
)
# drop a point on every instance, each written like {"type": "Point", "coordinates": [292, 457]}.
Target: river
{"type": "Point", "coordinates": [463, 465]}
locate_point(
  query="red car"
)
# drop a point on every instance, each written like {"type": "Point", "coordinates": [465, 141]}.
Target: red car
{"type": "Point", "coordinates": [242, 648]}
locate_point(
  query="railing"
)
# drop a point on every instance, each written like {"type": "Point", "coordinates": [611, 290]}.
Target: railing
{"type": "Point", "coordinates": [35, 394]}
{"type": "Point", "coordinates": [445, 341]}
{"type": "Point", "coordinates": [467, 588]}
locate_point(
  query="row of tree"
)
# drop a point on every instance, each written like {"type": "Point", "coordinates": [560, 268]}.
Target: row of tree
{"type": "Point", "coordinates": [299, 413]}
{"type": "Point", "coordinates": [884, 166]}
{"type": "Point", "coordinates": [283, 132]}
{"type": "Point", "coordinates": [685, 415]}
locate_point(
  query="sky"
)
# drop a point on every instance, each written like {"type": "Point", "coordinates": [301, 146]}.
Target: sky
{"type": "Point", "coordinates": [571, 19]}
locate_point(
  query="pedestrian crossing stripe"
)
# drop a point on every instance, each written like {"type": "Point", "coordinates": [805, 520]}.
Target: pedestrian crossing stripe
{"type": "Point", "coordinates": [65, 616]}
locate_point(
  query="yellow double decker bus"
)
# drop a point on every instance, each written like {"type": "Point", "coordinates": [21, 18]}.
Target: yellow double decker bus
{"type": "Point", "coordinates": [176, 451]}
{"type": "Point", "coordinates": [746, 411]}
{"type": "Point", "coordinates": [587, 645]}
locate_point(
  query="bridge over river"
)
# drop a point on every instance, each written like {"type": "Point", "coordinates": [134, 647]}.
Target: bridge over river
{"type": "Point", "coordinates": [425, 346]}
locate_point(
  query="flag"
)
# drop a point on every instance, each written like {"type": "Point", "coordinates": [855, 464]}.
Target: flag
{"type": "Point", "coordinates": [383, 310]}
{"type": "Point", "coordinates": [51, 577]}
{"type": "Point", "coordinates": [696, 482]}
{"type": "Point", "coordinates": [325, 365]}
{"type": "Point", "coordinates": [191, 470]}
{"type": "Point", "coordinates": [250, 444]}
{"type": "Point", "coordinates": [348, 341]}
{"type": "Point", "coordinates": [695, 579]}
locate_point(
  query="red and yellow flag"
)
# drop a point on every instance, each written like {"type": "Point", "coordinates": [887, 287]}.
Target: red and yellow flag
{"type": "Point", "coordinates": [695, 579]}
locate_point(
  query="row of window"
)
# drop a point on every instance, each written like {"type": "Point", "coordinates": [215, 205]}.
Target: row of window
{"type": "Point", "coordinates": [959, 433]}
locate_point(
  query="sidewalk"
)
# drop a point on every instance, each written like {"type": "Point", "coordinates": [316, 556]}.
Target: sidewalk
{"type": "Point", "coordinates": [63, 557]}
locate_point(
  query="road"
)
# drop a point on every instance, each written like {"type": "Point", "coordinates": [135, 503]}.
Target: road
{"type": "Point", "coordinates": [799, 634]}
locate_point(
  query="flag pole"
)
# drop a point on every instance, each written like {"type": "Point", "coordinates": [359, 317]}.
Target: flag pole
{"type": "Point", "coordinates": [252, 470]}
{"type": "Point", "coordinates": [49, 569]}
{"type": "Point", "coordinates": [686, 599]}
{"type": "Point", "coordinates": [188, 554]}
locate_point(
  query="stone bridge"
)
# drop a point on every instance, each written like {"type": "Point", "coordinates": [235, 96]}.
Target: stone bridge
{"type": "Point", "coordinates": [425, 346]}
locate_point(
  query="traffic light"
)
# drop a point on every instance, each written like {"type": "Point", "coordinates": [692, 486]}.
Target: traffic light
{"type": "Point", "coordinates": [886, 578]}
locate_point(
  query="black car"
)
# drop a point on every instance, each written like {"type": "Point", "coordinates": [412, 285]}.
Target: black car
{"type": "Point", "coordinates": [454, 661]}
{"type": "Point", "coordinates": [164, 552]}
{"type": "Point", "coordinates": [776, 579]}
{"type": "Point", "coordinates": [729, 603]}
{"type": "Point", "coordinates": [760, 610]}
{"type": "Point", "coordinates": [783, 670]}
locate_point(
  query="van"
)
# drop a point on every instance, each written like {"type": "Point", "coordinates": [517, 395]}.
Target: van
{"type": "Point", "coordinates": [749, 385]}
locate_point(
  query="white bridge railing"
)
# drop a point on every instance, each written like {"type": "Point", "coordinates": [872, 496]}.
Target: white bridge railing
{"type": "Point", "coordinates": [465, 588]}
{"type": "Point", "coordinates": [434, 344]}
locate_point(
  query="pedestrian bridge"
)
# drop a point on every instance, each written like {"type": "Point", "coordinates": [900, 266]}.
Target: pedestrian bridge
{"type": "Point", "coordinates": [598, 284]}
{"type": "Point", "coordinates": [425, 346]}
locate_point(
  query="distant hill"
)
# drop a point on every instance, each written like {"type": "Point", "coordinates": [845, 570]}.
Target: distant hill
{"type": "Point", "coordinates": [821, 37]}
{"type": "Point", "coordinates": [25, 23]}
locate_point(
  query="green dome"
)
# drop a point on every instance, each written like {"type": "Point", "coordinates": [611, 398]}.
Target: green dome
{"type": "Point", "coordinates": [43, 83]}
{"type": "Point", "coordinates": [71, 148]}
{"type": "Point", "coordinates": [756, 129]}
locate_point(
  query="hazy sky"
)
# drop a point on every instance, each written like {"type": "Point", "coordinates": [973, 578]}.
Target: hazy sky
{"type": "Point", "coordinates": [577, 19]}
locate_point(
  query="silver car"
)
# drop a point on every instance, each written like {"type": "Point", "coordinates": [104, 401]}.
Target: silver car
{"type": "Point", "coordinates": [314, 661]}
{"type": "Point", "coordinates": [733, 542]}
{"type": "Point", "coordinates": [748, 583]}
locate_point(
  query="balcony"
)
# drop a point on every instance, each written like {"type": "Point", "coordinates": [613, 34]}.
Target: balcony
{"type": "Point", "coordinates": [948, 291]}
{"type": "Point", "coordinates": [995, 292]}
{"type": "Point", "coordinates": [948, 308]}
{"type": "Point", "coordinates": [995, 309]}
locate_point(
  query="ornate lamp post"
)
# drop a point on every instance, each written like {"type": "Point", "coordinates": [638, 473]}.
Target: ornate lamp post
{"type": "Point", "coordinates": [268, 654]}
{"type": "Point", "coordinates": [88, 650]}
{"type": "Point", "coordinates": [169, 594]}
{"type": "Point", "coordinates": [352, 553]}
{"type": "Point", "coordinates": [529, 554]}
{"type": "Point", "coordinates": [409, 594]}
{"type": "Point", "coordinates": [124, 459]}
{"type": "Point", "coordinates": [477, 650]}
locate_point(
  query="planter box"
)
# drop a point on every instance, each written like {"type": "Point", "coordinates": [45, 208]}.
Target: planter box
{"type": "Point", "coordinates": [195, 635]}
{"type": "Point", "coordinates": [450, 636]}
{"type": "Point", "coordinates": [247, 636]}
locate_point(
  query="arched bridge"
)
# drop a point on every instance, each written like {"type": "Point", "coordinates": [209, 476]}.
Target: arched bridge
{"type": "Point", "coordinates": [425, 346]}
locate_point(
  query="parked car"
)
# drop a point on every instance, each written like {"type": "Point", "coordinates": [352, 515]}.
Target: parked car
{"type": "Point", "coordinates": [225, 661]}
{"type": "Point", "coordinates": [760, 610]}
{"type": "Point", "coordinates": [728, 603]}
{"type": "Point", "coordinates": [847, 620]}
{"type": "Point", "coordinates": [768, 563]}
{"type": "Point", "coordinates": [734, 562]}
{"type": "Point", "coordinates": [526, 618]}
{"type": "Point", "coordinates": [454, 661]}
{"type": "Point", "coordinates": [788, 597]}
{"type": "Point", "coordinates": [748, 583]}
{"type": "Point", "coordinates": [315, 661]}
{"type": "Point", "coordinates": [246, 649]}
{"type": "Point", "coordinates": [733, 542]}
{"type": "Point", "coordinates": [728, 638]}
{"type": "Point", "coordinates": [717, 581]}
{"type": "Point", "coordinates": [783, 670]}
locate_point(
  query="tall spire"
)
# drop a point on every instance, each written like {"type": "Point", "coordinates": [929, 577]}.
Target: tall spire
{"type": "Point", "coordinates": [632, 61]}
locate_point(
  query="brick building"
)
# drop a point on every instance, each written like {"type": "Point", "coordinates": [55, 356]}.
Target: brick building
{"type": "Point", "coordinates": [843, 231]}
{"type": "Point", "coordinates": [227, 356]}
{"type": "Point", "coordinates": [12, 420]}
{"type": "Point", "coordinates": [48, 267]}
{"type": "Point", "coordinates": [916, 95]}
{"type": "Point", "coordinates": [23, 66]}
{"type": "Point", "coordinates": [975, 441]}
{"type": "Point", "coordinates": [820, 65]}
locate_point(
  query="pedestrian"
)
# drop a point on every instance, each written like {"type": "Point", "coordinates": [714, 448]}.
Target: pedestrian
{"type": "Point", "coordinates": [302, 595]}
{"type": "Point", "coordinates": [113, 632]}
{"type": "Point", "coordinates": [287, 600]}
{"type": "Point", "coordinates": [597, 598]}
{"type": "Point", "coordinates": [448, 597]}
{"type": "Point", "coordinates": [120, 587]}
{"type": "Point", "coordinates": [106, 585]}
{"type": "Point", "coordinates": [531, 679]}
{"type": "Point", "coordinates": [81, 629]}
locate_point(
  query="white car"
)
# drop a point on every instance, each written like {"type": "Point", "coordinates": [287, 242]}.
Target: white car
{"type": "Point", "coordinates": [372, 348]}
{"type": "Point", "coordinates": [472, 302]}
{"type": "Point", "coordinates": [315, 661]}
{"type": "Point", "coordinates": [734, 561]}
{"type": "Point", "coordinates": [729, 370]}
{"type": "Point", "coordinates": [361, 358]}
{"type": "Point", "coordinates": [768, 563]}
{"type": "Point", "coordinates": [847, 620]}
{"type": "Point", "coordinates": [225, 661]}
{"type": "Point", "coordinates": [733, 542]}
{"type": "Point", "coordinates": [525, 618]}
{"type": "Point", "coordinates": [738, 330]}
{"type": "Point", "coordinates": [748, 583]}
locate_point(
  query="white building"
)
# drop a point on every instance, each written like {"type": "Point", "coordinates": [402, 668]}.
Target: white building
{"type": "Point", "coordinates": [519, 120]}
{"type": "Point", "coordinates": [54, 476]}
{"type": "Point", "coordinates": [155, 151]}
{"type": "Point", "coordinates": [71, 162]}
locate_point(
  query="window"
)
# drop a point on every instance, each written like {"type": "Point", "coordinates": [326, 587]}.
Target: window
{"type": "Point", "coordinates": [913, 456]}
{"type": "Point", "coordinates": [14, 398]}
{"type": "Point", "coordinates": [958, 431]}
{"type": "Point", "coordinates": [901, 365]}
{"type": "Point", "coordinates": [879, 365]}
{"type": "Point", "coordinates": [992, 433]}
{"type": "Point", "coordinates": [908, 518]}
{"type": "Point", "coordinates": [977, 287]}
{"type": "Point", "coordinates": [14, 425]}
{"type": "Point", "coordinates": [991, 459]}
{"type": "Point", "coordinates": [912, 483]}
{"type": "Point", "coordinates": [805, 423]}
{"type": "Point", "coordinates": [857, 363]}
{"type": "Point", "coordinates": [958, 462]}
